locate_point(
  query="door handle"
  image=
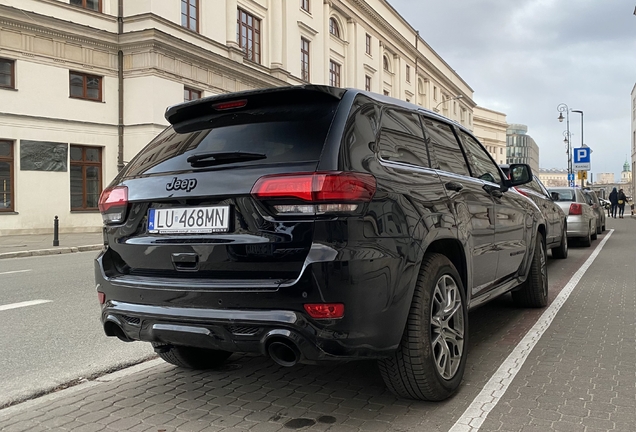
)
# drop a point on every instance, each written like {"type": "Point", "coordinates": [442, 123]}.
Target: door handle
{"type": "Point", "coordinates": [454, 186]}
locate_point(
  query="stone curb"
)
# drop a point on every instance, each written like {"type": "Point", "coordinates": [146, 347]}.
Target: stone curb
{"type": "Point", "coordinates": [56, 251]}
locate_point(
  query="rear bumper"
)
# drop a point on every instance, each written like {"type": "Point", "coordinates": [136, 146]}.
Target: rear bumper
{"type": "Point", "coordinates": [247, 317]}
{"type": "Point", "coordinates": [578, 226]}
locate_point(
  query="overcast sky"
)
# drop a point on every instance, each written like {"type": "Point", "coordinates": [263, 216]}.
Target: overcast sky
{"type": "Point", "coordinates": [525, 57]}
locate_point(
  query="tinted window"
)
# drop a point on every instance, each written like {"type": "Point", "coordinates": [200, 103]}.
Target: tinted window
{"type": "Point", "coordinates": [535, 186]}
{"type": "Point", "coordinates": [402, 138]}
{"type": "Point", "coordinates": [448, 155]}
{"type": "Point", "coordinates": [283, 134]}
{"type": "Point", "coordinates": [481, 164]}
{"type": "Point", "coordinates": [360, 134]}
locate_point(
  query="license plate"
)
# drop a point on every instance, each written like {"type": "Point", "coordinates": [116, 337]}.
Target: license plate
{"type": "Point", "coordinates": [191, 220]}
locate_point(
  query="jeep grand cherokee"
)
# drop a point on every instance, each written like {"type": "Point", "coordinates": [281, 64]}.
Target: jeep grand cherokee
{"type": "Point", "coordinates": [312, 224]}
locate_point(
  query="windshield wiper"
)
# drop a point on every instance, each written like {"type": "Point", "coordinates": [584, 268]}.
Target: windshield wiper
{"type": "Point", "coordinates": [220, 158]}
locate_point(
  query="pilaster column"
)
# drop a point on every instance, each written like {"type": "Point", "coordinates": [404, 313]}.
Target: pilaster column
{"type": "Point", "coordinates": [276, 31]}
{"type": "Point", "coordinates": [352, 54]}
{"type": "Point", "coordinates": [231, 7]}
{"type": "Point", "coordinates": [326, 8]}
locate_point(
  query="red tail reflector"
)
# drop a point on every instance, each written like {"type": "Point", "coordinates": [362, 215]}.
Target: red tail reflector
{"type": "Point", "coordinates": [112, 204]}
{"type": "Point", "coordinates": [325, 310]}
{"type": "Point", "coordinates": [576, 209]}
{"type": "Point", "coordinates": [230, 105]}
{"type": "Point", "coordinates": [317, 187]}
{"type": "Point", "coordinates": [101, 297]}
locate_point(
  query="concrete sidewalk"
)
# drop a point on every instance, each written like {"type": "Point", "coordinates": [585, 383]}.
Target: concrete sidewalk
{"type": "Point", "coordinates": [42, 244]}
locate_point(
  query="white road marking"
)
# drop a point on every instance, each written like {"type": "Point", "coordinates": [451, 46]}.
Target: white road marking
{"type": "Point", "coordinates": [14, 271]}
{"type": "Point", "coordinates": [474, 416]}
{"type": "Point", "coordinates": [23, 304]}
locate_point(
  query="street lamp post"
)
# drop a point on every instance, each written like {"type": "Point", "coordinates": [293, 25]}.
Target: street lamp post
{"type": "Point", "coordinates": [564, 108]}
{"type": "Point", "coordinates": [582, 145]}
{"type": "Point", "coordinates": [447, 100]}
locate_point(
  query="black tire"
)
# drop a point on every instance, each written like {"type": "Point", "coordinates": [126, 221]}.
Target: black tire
{"type": "Point", "coordinates": [561, 251]}
{"type": "Point", "coordinates": [534, 291]}
{"type": "Point", "coordinates": [599, 230]}
{"type": "Point", "coordinates": [190, 357]}
{"type": "Point", "coordinates": [436, 331]}
{"type": "Point", "coordinates": [593, 234]}
{"type": "Point", "coordinates": [587, 241]}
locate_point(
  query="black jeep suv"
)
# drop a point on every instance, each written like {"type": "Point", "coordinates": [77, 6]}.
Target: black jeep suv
{"type": "Point", "coordinates": [315, 223]}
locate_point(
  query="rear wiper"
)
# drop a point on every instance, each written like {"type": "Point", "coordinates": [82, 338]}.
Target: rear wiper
{"type": "Point", "coordinates": [220, 158]}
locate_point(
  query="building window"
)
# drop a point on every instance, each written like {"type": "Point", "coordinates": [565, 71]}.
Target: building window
{"type": "Point", "coordinates": [334, 29]}
{"type": "Point", "coordinates": [304, 5]}
{"type": "Point", "coordinates": [385, 64]}
{"type": "Point", "coordinates": [6, 176]}
{"type": "Point", "coordinates": [7, 74]}
{"type": "Point", "coordinates": [334, 74]}
{"type": "Point", "coordinates": [434, 93]}
{"type": "Point", "coordinates": [86, 177]}
{"type": "Point", "coordinates": [386, 93]}
{"type": "Point", "coordinates": [83, 86]}
{"type": "Point", "coordinates": [95, 5]}
{"type": "Point", "coordinates": [249, 35]}
{"type": "Point", "coordinates": [368, 46]}
{"type": "Point", "coordinates": [304, 59]}
{"type": "Point", "coordinates": [408, 73]}
{"type": "Point", "coordinates": [189, 14]}
{"type": "Point", "coordinates": [367, 83]}
{"type": "Point", "coordinates": [191, 94]}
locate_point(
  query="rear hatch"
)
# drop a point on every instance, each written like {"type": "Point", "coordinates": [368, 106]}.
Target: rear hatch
{"type": "Point", "coordinates": [186, 206]}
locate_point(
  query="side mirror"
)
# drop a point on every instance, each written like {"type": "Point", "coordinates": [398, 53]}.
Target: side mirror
{"type": "Point", "coordinates": [555, 196]}
{"type": "Point", "coordinates": [519, 174]}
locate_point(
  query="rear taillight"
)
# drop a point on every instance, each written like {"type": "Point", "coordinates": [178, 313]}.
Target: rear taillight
{"type": "Point", "coordinates": [319, 193]}
{"type": "Point", "coordinates": [576, 209]}
{"type": "Point", "coordinates": [113, 203]}
{"type": "Point", "coordinates": [325, 310]}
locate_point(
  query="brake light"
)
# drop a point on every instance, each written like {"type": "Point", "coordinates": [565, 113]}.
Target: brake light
{"type": "Point", "coordinates": [576, 209]}
{"type": "Point", "coordinates": [322, 192]}
{"type": "Point", "coordinates": [113, 203]}
{"type": "Point", "coordinates": [325, 310]}
{"type": "Point", "coordinates": [230, 105]}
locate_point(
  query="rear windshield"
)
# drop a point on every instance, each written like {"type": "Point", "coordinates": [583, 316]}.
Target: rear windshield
{"type": "Point", "coordinates": [283, 134]}
{"type": "Point", "coordinates": [564, 194]}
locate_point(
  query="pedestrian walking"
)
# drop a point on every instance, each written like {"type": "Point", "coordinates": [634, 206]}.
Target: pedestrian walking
{"type": "Point", "coordinates": [613, 199]}
{"type": "Point", "coordinates": [622, 199]}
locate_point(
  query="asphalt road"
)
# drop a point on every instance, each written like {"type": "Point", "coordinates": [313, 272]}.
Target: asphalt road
{"type": "Point", "coordinates": [44, 345]}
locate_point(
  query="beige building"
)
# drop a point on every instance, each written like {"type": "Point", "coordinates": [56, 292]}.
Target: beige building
{"type": "Point", "coordinates": [553, 177]}
{"type": "Point", "coordinates": [84, 83]}
{"type": "Point", "coordinates": [490, 127]}
{"type": "Point", "coordinates": [604, 178]}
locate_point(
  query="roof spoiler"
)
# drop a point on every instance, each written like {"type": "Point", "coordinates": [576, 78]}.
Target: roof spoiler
{"type": "Point", "coordinates": [253, 99]}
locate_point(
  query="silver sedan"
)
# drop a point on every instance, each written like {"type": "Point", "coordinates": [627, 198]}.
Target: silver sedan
{"type": "Point", "coordinates": [580, 215]}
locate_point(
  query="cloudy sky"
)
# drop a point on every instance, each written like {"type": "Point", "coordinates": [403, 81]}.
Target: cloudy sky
{"type": "Point", "coordinates": [525, 57]}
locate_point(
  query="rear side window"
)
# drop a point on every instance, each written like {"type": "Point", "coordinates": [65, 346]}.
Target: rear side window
{"type": "Point", "coordinates": [443, 144]}
{"type": "Point", "coordinates": [402, 138]}
{"type": "Point", "coordinates": [282, 134]}
{"type": "Point", "coordinates": [481, 164]}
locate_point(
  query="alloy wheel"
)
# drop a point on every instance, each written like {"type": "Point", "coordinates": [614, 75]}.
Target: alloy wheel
{"type": "Point", "coordinates": [447, 327]}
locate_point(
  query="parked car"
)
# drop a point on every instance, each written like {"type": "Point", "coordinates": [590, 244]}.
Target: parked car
{"type": "Point", "coordinates": [312, 224]}
{"type": "Point", "coordinates": [598, 209]}
{"type": "Point", "coordinates": [581, 218]}
{"type": "Point", "coordinates": [555, 218]}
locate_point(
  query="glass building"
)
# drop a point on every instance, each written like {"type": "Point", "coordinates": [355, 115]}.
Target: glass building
{"type": "Point", "coordinates": [520, 147]}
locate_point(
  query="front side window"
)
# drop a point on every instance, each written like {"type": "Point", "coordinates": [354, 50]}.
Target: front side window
{"type": "Point", "coordinates": [304, 59]}
{"type": "Point", "coordinates": [249, 35]}
{"type": "Point", "coordinates": [334, 29]}
{"type": "Point", "coordinates": [191, 94]}
{"type": "Point", "coordinates": [84, 86]}
{"type": "Point", "coordinates": [86, 177]}
{"type": "Point", "coordinates": [190, 14]}
{"type": "Point", "coordinates": [7, 74]}
{"type": "Point", "coordinates": [481, 164]}
{"type": "Point", "coordinates": [6, 176]}
{"type": "Point", "coordinates": [334, 74]}
{"type": "Point", "coordinates": [95, 5]}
